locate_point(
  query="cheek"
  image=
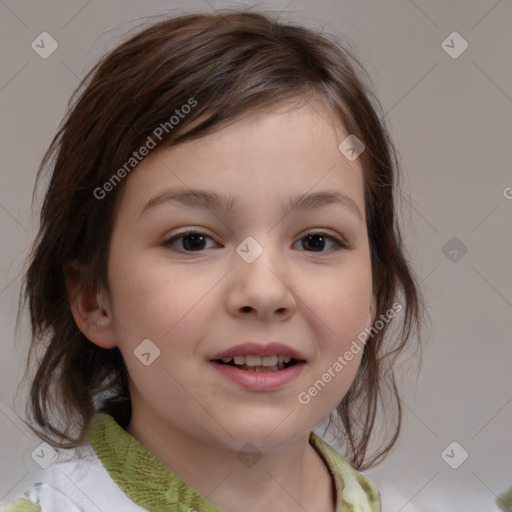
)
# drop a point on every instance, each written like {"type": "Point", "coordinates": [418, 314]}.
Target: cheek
{"type": "Point", "coordinates": [173, 313]}
{"type": "Point", "coordinates": [152, 300]}
{"type": "Point", "coordinates": [340, 301]}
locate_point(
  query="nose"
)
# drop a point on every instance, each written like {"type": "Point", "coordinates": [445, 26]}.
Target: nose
{"type": "Point", "coordinates": [261, 289]}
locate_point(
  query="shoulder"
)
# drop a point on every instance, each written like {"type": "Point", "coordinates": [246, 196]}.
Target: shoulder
{"type": "Point", "coordinates": [50, 491]}
{"type": "Point", "coordinates": [355, 490]}
{"type": "Point", "coordinates": [76, 482]}
{"type": "Point", "coordinates": [42, 498]}
{"type": "Point", "coordinates": [28, 503]}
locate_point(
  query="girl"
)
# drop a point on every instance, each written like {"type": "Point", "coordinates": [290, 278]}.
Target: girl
{"type": "Point", "coordinates": [217, 270]}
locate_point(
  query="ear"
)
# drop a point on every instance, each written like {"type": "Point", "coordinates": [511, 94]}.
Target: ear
{"type": "Point", "coordinates": [90, 308]}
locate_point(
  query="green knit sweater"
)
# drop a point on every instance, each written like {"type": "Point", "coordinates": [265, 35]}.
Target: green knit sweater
{"type": "Point", "coordinates": [122, 475]}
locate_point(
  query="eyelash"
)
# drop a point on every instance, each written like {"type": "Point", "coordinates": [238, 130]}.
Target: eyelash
{"type": "Point", "coordinates": [338, 243]}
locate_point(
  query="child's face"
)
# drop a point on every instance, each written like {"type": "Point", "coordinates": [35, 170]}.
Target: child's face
{"type": "Point", "coordinates": [198, 297]}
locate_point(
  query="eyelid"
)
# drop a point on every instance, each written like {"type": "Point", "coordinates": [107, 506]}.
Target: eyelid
{"type": "Point", "coordinates": [338, 240]}
{"type": "Point", "coordinates": [335, 237]}
{"type": "Point", "coordinates": [169, 240]}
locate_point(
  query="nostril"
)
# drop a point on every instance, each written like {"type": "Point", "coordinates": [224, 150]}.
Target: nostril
{"type": "Point", "coordinates": [246, 309]}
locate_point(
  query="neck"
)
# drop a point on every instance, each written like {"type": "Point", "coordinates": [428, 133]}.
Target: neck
{"type": "Point", "coordinates": [292, 478]}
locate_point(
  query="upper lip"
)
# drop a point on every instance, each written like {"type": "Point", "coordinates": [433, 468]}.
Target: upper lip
{"type": "Point", "coordinates": [263, 350]}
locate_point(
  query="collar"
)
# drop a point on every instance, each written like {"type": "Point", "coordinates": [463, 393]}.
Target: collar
{"type": "Point", "coordinates": [150, 484]}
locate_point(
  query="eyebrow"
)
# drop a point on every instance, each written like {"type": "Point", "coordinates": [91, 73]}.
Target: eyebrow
{"type": "Point", "coordinates": [215, 201]}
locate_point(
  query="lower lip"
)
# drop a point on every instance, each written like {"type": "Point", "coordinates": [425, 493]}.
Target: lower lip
{"type": "Point", "coordinates": [259, 381]}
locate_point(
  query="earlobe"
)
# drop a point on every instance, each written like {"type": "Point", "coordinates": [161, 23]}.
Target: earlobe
{"type": "Point", "coordinates": [90, 308]}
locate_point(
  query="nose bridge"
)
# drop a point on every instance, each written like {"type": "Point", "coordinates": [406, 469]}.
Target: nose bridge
{"type": "Point", "coordinates": [258, 259]}
{"type": "Point", "coordinates": [260, 281]}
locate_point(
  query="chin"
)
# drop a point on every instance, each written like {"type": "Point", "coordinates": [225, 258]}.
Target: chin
{"type": "Point", "coordinates": [268, 430]}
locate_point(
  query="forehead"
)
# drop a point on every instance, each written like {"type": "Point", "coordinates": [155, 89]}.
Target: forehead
{"type": "Point", "coordinates": [289, 149]}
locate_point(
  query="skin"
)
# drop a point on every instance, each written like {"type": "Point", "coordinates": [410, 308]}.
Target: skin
{"type": "Point", "coordinates": [194, 304]}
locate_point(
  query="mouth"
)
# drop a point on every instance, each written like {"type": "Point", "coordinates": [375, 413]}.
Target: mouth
{"type": "Point", "coordinates": [258, 357]}
{"type": "Point", "coordinates": [256, 363]}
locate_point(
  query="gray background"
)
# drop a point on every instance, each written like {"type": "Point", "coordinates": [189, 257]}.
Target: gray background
{"type": "Point", "coordinates": [452, 119]}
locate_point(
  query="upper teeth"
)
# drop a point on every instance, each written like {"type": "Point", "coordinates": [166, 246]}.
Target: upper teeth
{"type": "Point", "coordinates": [257, 360]}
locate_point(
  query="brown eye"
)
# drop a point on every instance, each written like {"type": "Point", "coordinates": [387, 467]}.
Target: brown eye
{"type": "Point", "coordinates": [194, 242]}
{"type": "Point", "coordinates": [189, 242]}
{"type": "Point", "coordinates": [318, 242]}
{"type": "Point", "coordinates": [314, 242]}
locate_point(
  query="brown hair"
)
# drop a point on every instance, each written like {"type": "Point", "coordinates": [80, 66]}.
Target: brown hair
{"type": "Point", "coordinates": [231, 63]}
